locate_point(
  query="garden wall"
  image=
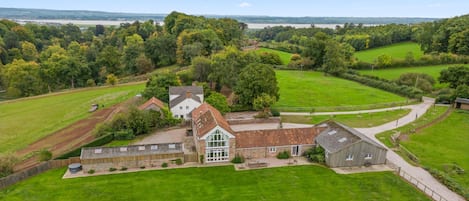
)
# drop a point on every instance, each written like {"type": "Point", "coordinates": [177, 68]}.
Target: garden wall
{"type": "Point", "coordinates": [42, 167]}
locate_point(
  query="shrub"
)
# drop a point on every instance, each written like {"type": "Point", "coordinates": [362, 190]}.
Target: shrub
{"type": "Point", "coordinates": [283, 155]}
{"type": "Point", "coordinates": [164, 165]}
{"type": "Point", "coordinates": [111, 79]}
{"type": "Point", "coordinates": [178, 161]}
{"type": "Point", "coordinates": [274, 112]}
{"type": "Point", "coordinates": [124, 135]}
{"type": "Point", "coordinates": [6, 164]}
{"type": "Point", "coordinates": [238, 159]}
{"type": "Point", "coordinates": [90, 83]}
{"type": "Point", "coordinates": [45, 155]}
{"type": "Point", "coordinates": [112, 169]}
{"type": "Point", "coordinates": [123, 169]}
{"type": "Point", "coordinates": [91, 171]}
{"type": "Point", "coordinates": [315, 154]}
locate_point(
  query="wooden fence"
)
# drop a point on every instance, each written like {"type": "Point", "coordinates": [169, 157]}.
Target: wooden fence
{"type": "Point", "coordinates": [421, 186]}
{"type": "Point", "coordinates": [40, 168]}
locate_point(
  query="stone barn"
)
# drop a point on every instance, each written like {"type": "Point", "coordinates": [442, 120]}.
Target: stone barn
{"type": "Point", "coordinates": [133, 156]}
{"type": "Point", "coordinates": [461, 103]}
{"type": "Point", "coordinates": [346, 147]}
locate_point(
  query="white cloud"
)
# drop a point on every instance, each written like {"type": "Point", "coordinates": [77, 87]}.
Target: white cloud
{"type": "Point", "coordinates": [244, 5]}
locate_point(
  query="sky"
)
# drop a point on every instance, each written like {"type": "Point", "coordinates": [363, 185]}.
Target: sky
{"type": "Point", "coordinates": [292, 8]}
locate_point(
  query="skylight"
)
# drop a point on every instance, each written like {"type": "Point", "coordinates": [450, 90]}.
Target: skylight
{"type": "Point", "coordinates": [332, 132]}
{"type": "Point", "coordinates": [342, 139]}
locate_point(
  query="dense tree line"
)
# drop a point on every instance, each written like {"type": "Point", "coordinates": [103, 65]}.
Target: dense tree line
{"type": "Point", "coordinates": [36, 59]}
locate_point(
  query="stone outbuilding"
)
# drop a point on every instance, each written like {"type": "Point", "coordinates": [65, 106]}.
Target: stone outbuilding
{"type": "Point", "coordinates": [461, 103]}
{"type": "Point", "coordinates": [347, 147]}
{"type": "Point", "coordinates": [152, 104]}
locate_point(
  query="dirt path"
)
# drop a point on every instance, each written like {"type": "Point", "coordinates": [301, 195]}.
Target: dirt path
{"type": "Point", "coordinates": [68, 138]}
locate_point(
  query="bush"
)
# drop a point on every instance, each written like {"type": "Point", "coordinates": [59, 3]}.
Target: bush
{"type": "Point", "coordinates": [90, 83]}
{"type": "Point", "coordinates": [112, 169]}
{"type": "Point", "coordinates": [45, 155]}
{"type": "Point", "coordinates": [178, 161]}
{"type": "Point", "coordinates": [315, 154]}
{"type": "Point", "coordinates": [283, 155]}
{"type": "Point", "coordinates": [274, 112]}
{"type": "Point", "coordinates": [6, 164]}
{"type": "Point", "coordinates": [91, 171]}
{"type": "Point", "coordinates": [123, 169]}
{"type": "Point", "coordinates": [238, 159]}
{"type": "Point", "coordinates": [124, 135]}
{"type": "Point", "coordinates": [164, 165]}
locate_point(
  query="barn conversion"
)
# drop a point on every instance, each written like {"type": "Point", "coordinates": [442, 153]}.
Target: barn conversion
{"type": "Point", "coordinates": [346, 147]}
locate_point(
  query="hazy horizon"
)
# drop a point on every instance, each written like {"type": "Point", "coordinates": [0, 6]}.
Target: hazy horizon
{"type": "Point", "coordinates": [299, 8]}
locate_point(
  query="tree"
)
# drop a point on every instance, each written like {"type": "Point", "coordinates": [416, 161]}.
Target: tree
{"type": "Point", "coordinates": [218, 101]}
{"type": "Point", "coordinates": [462, 91]}
{"type": "Point", "coordinates": [29, 51]}
{"type": "Point", "coordinates": [455, 76]}
{"type": "Point", "coordinates": [161, 50]}
{"type": "Point", "coordinates": [409, 58]}
{"type": "Point", "coordinates": [263, 102]}
{"type": "Point", "coordinates": [23, 78]}
{"type": "Point", "coordinates": [143, 64]}
{"type": "Point", "coordinates": [132, 49]}
{"type": "Point", "coordinates": [158, 86]}
{"type": "Point", "coordinates": [383, 60]}
{"type": "Point", "coordinates": [334, 58]}
{"type": "Point", "coordinates": [202, 68]}
{"type": "Point", "coordinates": [255, 80]}
{"type": "Point", "coordinates": [111, 79]}
{"type": "Point", "coordinates": [137, 122]}
{"type": "Point", "coordinates": [109, 58]}
{"type": "Point", "coordinates": [270, 58]}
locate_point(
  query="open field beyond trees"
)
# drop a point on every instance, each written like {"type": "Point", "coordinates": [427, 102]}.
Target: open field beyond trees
{"type": "Point", "coordinates": [217, 183]}
{"type": "Point", "coordinates": [284, 56]}
{"type": "Point", "coordinates": [444, 144]}
{"type": "Point", "coordinates": [396, 51]}
{"type": "Point", "coordinates": [24, 121]}
{"type": "Point", "coordinates": [302, 90]}
{"type": "Point", "coordinates": [363, 120]}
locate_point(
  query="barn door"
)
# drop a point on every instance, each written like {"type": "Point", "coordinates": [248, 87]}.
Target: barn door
{"type": "Point", "coordinates": [295, 150]}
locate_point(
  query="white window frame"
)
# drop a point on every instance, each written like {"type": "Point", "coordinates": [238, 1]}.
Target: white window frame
{"type": "Point", "coordinates": [123, 149]}
{"type": "Point", "coordinates": [368, 156]}
{"type": "Point", "coordinates": [217, 147]}
{"type": "Point", "coordinates": [154, 147]}
{"type": "Point", "coordinates": [141, 148]}
{"type": "Point", "coordinates": [98, 151]}
{"type": "Point", "coordinates": [349, 157]}
{"type": "Point", "coordinates": [172, 146]}
{"type": "Point", "coordinates": [272, 149]}
{"type": "Point", "coordinates": [180, 107]}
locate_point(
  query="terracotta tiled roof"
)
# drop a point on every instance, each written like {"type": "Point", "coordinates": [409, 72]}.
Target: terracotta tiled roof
{"type": "Point", "coordinates": [276, 137]}
{"type": "Point", "coordinates": [152, 101]}
{"type": "Point", "coordinates": [206, 117]}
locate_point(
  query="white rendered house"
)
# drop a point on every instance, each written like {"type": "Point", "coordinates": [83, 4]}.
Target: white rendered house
{"type": "Point", "coordinates": [182, 100]}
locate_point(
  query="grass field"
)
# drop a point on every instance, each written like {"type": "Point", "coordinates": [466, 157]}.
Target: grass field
{"type": "Point", "coordinates": [444, 143]}
{"type": "Point", "coordinates": [302, 89]}
{"type": "Point", "coordinates": [217, 183]}
{"type": "Point", "coordinates": [431, 114]}
{"type": "Point", "coordinates": [396, 51]}
{"type": "Point", "coordinates": [24, 121]}
{"type": "Point", "coordinates": [284, 56]}
{"type": "Point", "coordinates": [364, 120]}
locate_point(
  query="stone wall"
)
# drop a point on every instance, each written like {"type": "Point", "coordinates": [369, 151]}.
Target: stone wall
{"type": "Point", "coordinates": [156, 160]}
{"type": "Point", "coordinates": [264, 152]}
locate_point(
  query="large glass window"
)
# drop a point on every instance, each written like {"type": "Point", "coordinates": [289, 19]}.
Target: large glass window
{"type": "Point", "coordinates": [217, 147]}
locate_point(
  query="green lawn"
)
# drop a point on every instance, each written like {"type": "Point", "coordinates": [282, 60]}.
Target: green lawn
{"type": "Point", "coordinates": [217, 183]}
{"type": "Point", "coordinates": [284, 56]}
{"type": "Point", "coordinates": [394, 73]}
{"type": "Point", "coordinates": [364, 120]}
{"type": "Point", "coordinates": [431, 114]}
{"type": "Point", "coordinates": [444, 143]}
{"type": "Point", "coordinates": [396, 51]}
{"type": "Point", "coordinates": [24, 121]}
{"type": "Point", "coordinates": [301, 90]}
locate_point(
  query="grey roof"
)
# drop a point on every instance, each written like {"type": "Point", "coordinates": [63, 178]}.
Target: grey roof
{"type": "Point", "coordinates": [338, 136]}
{"type": "Point", "coordinates": [132, 150]}
{"type": "Point", "coordinates": [183, 97]}
{"type": "Point", "coordinates": [462, 100]}
{"type": "Point", "coordinates": [181, 90]}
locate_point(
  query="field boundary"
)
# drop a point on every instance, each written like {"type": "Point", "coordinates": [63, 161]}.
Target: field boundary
{"type": "Point", "coordinates": [419, 185]}
{"type": "Point", "coordinates": [345, 108]}
{"type": "Point", "coordinates": [27, 173]}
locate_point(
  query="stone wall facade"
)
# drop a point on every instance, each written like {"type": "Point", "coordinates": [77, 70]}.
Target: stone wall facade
{"type": "Point", "coordinates": [156, 160]}
{"type": "Point", "coordinates": [265, 152]}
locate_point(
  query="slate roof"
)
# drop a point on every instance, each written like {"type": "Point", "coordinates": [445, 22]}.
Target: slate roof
{"type": "Point", "coordinates": [184, 92]}
{"type": "Point", "coordinates": [462, 100]}
{"type": "Point", "coordinates": [206, 117]}
{"type": "Point", "coordinates": [132, 150]}
{"type": "Point", "coordinates": [276, 137]}
{"type": "Point", "coordinates": [152, 101]}
{"type": "Point", "coordinates": [338, 136]}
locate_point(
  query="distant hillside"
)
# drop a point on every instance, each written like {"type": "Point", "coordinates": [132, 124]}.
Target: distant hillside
{"type": "Point", "coordinates": [23, 13]}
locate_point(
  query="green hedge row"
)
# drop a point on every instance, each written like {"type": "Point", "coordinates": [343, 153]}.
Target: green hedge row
{"type": "Point", "coordinates": [449, 182]}
{"type": "Point", "coordinates": [386, 85]}
{"type": "Point", "coordinates": [97, 142]}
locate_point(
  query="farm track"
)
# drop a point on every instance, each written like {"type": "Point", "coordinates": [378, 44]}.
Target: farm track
{"type": "Point", "coordinates": [66, 139]}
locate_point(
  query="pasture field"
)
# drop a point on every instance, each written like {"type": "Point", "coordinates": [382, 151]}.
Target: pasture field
{"type": "Point", "coordinates": [284, 56]}
{"type": "Point", "coordinates": [217, 183]}
{"type": "Point", "coordinates": [396, 51]}
{"type": "Point", "coordinates": [443, 144]}
{"type": "Point", "coordinates": [364, 120]}
{"type": "Point", "coordinates": [307, 89]}
{"type": "Point", "coordinates": [24, 121]}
